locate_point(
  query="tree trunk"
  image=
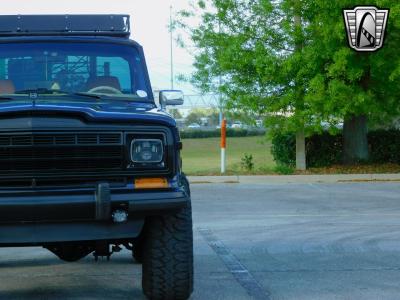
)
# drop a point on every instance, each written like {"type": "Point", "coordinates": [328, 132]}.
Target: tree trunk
{"type": "Point", "coordinates": [355, 140]}
{"type": "Point", "coordinates": [300, 151]}
{"type": "Point", "coordinates": [300, 137]}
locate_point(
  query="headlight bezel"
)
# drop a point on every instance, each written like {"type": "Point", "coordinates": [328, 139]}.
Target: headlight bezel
{"type": "Point", "coordinates": [147, 162]}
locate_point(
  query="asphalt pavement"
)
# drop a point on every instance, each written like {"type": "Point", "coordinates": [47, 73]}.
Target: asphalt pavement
{"type": "Point", "coordinates": [252, 241]}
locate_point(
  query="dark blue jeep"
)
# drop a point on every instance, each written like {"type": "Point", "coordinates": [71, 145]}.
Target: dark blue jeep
{"type": "Point", "coordinates": [88, 163]}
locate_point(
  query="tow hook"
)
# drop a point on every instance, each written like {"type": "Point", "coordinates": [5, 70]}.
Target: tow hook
{"type": "Point", "coordinates": [103, 250]}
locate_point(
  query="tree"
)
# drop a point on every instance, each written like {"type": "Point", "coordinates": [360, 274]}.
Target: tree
{"type": "Point", "coordinates": [213, 117]}
{"type": "Point", "coordinates": [359, 86]}
{"type": "Point", "coordinates": [175, 113]}
{"type": "Point", "coordinates": [299, 75]}
{"type": "Point", "coordinates": [195, 116]}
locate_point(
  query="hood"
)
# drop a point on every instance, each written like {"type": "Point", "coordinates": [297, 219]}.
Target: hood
{"type": "Point", "coordinates": [90, 109]}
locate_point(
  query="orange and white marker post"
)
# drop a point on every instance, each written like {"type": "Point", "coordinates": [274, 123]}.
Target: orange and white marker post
{"type": "Point", "coordinates": [223, 146]}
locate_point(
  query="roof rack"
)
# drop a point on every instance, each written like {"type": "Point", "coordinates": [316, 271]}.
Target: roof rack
{"type": "Point", "coordinates": [65, 25]}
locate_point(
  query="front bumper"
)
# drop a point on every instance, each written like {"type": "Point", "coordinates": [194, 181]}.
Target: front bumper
{"type": "Point", "coordinates": [43, 216]}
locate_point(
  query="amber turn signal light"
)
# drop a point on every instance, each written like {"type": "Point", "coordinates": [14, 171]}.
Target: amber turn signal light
{"type": "Point", "coordinates": [151, 183]}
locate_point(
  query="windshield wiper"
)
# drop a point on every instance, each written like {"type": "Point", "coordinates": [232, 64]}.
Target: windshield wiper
{"type": "Point", "coordinates": [107, 97]}
{"type": "Point", "coordinates": [40, 91]}
{"type": "Point", "coordinates": [84, 94]}
{"type": "Point", "coordinates": [3, 97]}
{"type": "Point", "coordinates": [45, 91]}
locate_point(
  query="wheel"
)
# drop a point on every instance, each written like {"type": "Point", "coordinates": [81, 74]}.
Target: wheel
{"type": "Point", "coordinates": [168, 256]}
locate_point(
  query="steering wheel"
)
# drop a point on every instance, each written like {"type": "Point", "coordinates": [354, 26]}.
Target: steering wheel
{"type": "Point", "coordinates": [105, 89]}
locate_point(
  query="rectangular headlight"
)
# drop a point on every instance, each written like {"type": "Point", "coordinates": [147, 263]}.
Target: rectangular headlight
{"type": "Point", "coordinates": [147, 151]}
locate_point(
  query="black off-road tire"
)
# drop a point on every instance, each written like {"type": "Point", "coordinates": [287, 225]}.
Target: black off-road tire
{"type": "Point", "coordinates": [168, 256]}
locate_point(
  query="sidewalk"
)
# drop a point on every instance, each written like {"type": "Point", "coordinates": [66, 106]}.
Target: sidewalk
{"type": "Point", "coordinates": [284, 179]}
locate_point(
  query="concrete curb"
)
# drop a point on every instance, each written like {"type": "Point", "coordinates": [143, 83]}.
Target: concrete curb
{"type": "Point", "coordinates": [285, 179]}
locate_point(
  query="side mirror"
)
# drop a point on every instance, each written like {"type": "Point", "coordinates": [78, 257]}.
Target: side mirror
{"type": "Point", "coordinates": [171, 97]}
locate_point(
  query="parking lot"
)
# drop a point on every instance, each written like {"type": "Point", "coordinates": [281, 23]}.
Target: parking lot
{"type": "Point", "coordinates": [293, 241]}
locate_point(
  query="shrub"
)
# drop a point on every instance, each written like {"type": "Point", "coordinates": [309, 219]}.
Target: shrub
{"type": "Point", "coordinates": [284, 170]}
{"type": "Point", "coordinates": [196, 134]}
{"type": "Point", "coordinates": [247, 162]}
{"type": "Point", "coordinates": [283, 148]}
{"type": "Point", "coordinates": [384, 146]}
{"type": "Point", "coordinates": [326, 150]}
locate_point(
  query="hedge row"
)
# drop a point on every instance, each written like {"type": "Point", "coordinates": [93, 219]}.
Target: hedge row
{"type": "Point", "coordinates": [326, 150]}
{"type": "Point", "coordinates": [196, 134]}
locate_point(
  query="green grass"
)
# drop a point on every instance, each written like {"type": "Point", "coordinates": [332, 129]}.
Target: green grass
{"type": "Point", "coordinates": [202, 156]}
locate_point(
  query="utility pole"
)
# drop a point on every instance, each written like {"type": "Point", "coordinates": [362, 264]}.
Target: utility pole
{"type": "Point", "coordinates": [171, 50]}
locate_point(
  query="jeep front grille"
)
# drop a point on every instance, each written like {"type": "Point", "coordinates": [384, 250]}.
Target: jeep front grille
{"type": "Point", "coordinates": [61, 151]}
{"type": "Point", "coordinates": [61, 139]}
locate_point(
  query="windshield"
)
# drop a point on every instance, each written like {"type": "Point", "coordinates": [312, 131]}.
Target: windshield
{"type": "Point", "coordinates": [63, 68]}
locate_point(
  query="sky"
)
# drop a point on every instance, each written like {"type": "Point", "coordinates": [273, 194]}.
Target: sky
{"type": "Point", "coordinates": [149, 27]}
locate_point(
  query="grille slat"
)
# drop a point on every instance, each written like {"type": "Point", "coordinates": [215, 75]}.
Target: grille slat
{"type": "Point", "coordinates": [67, 139]}
{"type": "Point", "coordinates": [61, 139]}
{"type": "Point", "coordinates": [21, 140]}
{"type": "Point", "coordinates": [61, 151]}
{"type": "Point", "coordinates": [88, 139]}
